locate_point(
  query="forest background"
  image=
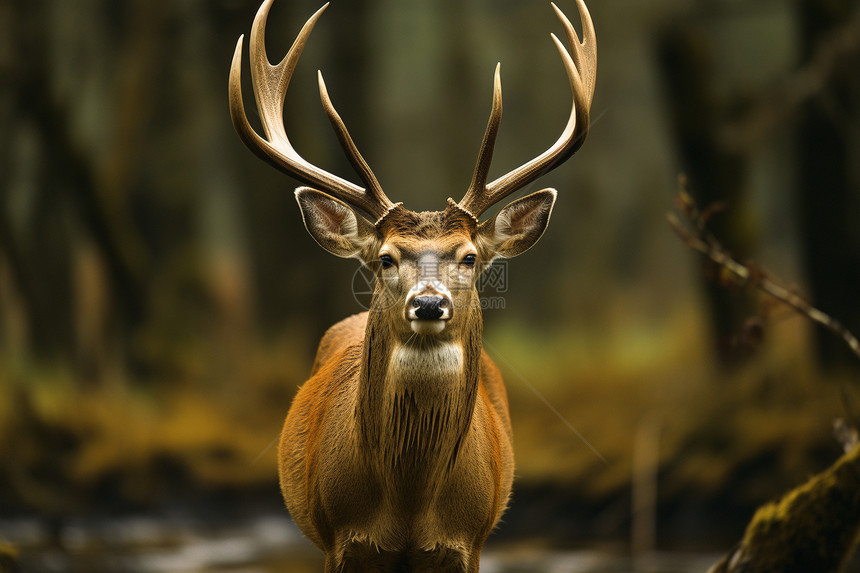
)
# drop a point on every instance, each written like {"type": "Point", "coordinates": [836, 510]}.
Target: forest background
{"type": "Point", "coordinates": [160, 300]}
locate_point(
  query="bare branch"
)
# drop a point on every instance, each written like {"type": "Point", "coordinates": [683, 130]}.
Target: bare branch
{"type": "Point", "coordinates": [694, 233]}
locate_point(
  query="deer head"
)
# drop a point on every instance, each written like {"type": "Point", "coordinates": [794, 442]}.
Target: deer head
{"type": "Point", "coordinates": [426, 263]}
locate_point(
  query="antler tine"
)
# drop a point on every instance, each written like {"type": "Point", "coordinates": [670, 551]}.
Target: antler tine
{"type": "Point", "coordinates": [585, 52]}
{"type": "Point", "coordinates": [374, 189]}
{"type": "Point", "coordinates": [270, 85]}
{"type": "Point", "coordinates": [582, 73]}
{"type": "Point", "coordinates": [485, 155]}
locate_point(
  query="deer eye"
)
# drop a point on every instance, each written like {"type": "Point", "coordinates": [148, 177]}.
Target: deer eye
{"type": "Point", "coordinates": [387, 261]}
{"type": "Point", "coordinates": [468, 260]}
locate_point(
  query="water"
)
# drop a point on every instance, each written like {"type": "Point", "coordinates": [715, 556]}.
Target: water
{"type": "Point", "coordinates": [262, 544]}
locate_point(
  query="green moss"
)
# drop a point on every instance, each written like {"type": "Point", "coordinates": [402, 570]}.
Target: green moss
{"type": "Point", "coordinates": [8, 558]}
{"type": "Point", "coordinates": [812, 528]}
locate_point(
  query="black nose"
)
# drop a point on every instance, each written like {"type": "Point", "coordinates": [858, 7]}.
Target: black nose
{"type": "Point", "coordinates": [428, 307]}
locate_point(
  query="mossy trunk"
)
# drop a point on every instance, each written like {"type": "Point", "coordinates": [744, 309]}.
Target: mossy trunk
{"type": "Point", "coordinates": [812, 528]}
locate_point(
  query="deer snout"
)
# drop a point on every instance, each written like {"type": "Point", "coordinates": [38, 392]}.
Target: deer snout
{"type": "Point", "coordinates": [428, 306]}
{"type": "Point", "coordinates": [433, 307]}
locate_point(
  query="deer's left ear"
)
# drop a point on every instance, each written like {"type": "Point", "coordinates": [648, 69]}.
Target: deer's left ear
{"type": "Point", "coordinates": [517, 227]}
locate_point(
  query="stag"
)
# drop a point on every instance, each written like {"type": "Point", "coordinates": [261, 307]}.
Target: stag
{"type": "Point", "coordinates": [396, 453]}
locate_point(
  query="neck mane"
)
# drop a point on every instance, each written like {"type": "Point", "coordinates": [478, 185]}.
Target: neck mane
{"type": "Point", "coordinates": [417, 399]}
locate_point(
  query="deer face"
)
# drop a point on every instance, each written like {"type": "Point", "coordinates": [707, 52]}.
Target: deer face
{"type": "Point", "coordinates": [426, 264]}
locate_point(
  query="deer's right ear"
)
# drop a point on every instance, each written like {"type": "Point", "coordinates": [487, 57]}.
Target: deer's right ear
{"type": "Point", "coordinates": [335, 226]}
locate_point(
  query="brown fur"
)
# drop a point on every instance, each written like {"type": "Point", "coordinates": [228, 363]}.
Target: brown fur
{"type": "Point", "coordinates": [393, 468]}
{"type": "Point", "coordinates": [396, 453]}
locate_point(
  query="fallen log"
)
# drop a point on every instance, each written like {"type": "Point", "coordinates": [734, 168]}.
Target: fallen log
{"type": "Point", "coordinates": [813, 528]}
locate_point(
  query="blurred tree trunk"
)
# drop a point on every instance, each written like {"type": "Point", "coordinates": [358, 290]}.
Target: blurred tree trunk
{"type": "Point", "coordinates": [217, 197]}
{"type": "Point", "coordinates": [716, 174]}
{"type": "Point", "coordinates": [73, 178]}
{"type": "Point", "coordinates": [34, 238]}
{"type": "Point", "coordinates": [829, 182]}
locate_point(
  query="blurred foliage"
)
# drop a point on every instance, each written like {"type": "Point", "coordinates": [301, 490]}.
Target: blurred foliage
{"type": "Point", "coordinates": [160, 300]}
{"type": "Point", "coordinates": [68, 448]}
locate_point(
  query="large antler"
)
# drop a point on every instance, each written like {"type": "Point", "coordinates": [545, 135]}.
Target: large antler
{"type": "Point", "coordinates": [582, 73]}
{"type": "Point", "coordinates": [270, 85]}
